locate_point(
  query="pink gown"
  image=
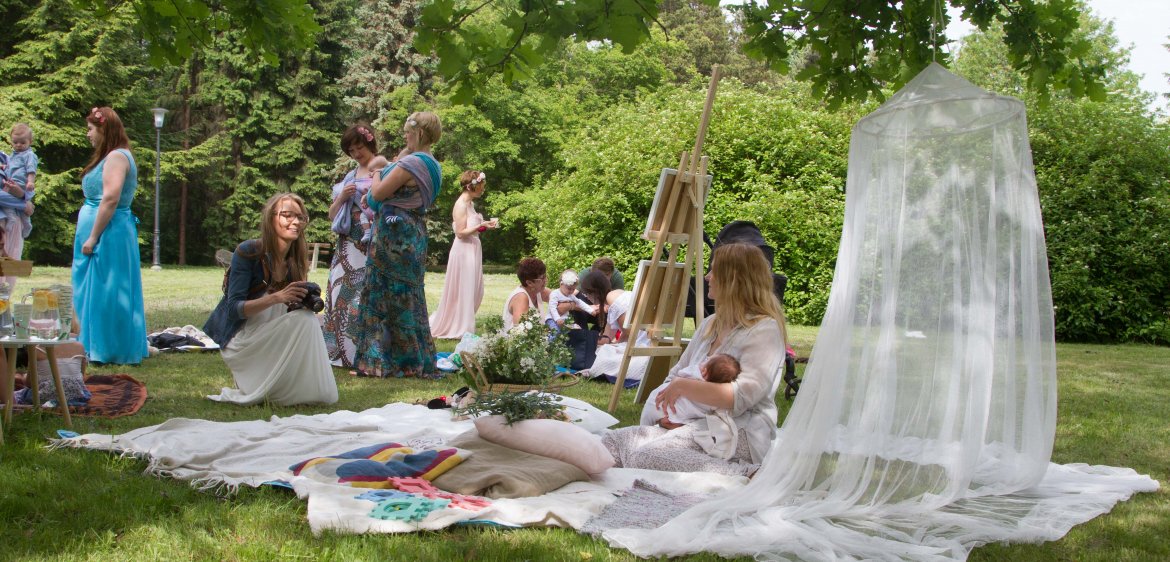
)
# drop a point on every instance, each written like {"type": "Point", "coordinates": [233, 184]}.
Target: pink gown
{"type": "Point", "coordinates": [463, 289]}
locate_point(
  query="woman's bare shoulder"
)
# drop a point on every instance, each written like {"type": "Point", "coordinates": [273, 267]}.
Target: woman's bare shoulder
{"type": "Point", "coordinates": [117, 157]}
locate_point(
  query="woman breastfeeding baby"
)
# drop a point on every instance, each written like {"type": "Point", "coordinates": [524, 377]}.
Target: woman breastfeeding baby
{"type": "Point", "coordinates": [710, 414]}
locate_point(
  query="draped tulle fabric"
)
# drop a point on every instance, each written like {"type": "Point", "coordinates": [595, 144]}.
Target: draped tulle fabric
{"type": "Point", "coordinates": [926, 420]}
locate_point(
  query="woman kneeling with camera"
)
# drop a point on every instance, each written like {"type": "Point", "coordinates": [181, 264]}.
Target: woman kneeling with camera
{"type": "Point", "coordinates": [264, 325]}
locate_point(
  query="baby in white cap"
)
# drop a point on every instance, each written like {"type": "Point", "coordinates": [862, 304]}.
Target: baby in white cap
{"type": "Point", "coordinates": [567, 293]}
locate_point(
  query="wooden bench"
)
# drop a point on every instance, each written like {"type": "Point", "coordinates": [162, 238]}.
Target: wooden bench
{"type": "Point", "coordinates": [224, 257]}
{"type": "Point", "coordinates": [318, 248]}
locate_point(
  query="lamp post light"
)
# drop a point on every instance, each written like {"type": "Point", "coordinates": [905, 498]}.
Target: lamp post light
{"type": "Point", "coordinates": [159, 116]}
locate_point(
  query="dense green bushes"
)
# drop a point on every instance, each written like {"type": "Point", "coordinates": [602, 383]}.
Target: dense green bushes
{"type": "Point", "coordinates": [1104, 180]}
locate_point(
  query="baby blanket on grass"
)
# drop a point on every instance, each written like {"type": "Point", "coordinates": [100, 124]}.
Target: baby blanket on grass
{"type": "Point", "coordinates": [225, 455]}
{"type": "Point", "coordinates": [342, 509]}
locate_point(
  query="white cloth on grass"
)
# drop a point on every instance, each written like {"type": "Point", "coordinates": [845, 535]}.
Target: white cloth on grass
{"type": "Point", "coordinates": [225, 455]}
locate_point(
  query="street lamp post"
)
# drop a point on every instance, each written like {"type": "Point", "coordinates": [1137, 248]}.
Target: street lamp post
{"type": "Point", "coordinates": [159, 115]}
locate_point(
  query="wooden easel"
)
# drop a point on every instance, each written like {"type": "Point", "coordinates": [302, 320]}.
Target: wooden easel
{"type": "Point", "coordinates": [660, 288]}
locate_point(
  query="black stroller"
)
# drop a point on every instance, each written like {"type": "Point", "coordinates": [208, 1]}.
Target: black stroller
{"type": "Point", "coordinates": [746, 232]}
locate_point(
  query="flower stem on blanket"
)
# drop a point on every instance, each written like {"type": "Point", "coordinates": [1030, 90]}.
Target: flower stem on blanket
{"type": "Point", "coordinates": [517, 406]}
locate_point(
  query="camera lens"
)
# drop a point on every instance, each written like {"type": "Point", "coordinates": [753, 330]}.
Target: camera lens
{"type": "Point", "coordinates": [314, 303]}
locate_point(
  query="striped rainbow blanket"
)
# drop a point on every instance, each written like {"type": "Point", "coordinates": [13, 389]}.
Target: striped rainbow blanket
{"type": "Point", "coordinates": [373, 466]}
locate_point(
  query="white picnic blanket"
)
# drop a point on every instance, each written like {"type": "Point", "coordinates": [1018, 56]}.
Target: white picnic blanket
{"type": "Point", "coordinates": [226, 455]}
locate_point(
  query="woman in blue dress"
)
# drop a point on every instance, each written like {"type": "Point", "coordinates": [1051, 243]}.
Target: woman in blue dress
{"type": "Point", "coordinates": [392, 334]}
{"type": "Point", "coordinates": [107, 280]}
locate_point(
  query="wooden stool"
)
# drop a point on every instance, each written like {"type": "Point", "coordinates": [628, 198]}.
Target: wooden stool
{"type": "Point", "coordinates": [10, 346]}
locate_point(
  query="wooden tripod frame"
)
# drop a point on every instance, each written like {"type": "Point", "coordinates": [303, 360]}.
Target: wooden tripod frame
{"type": "Point", "coordinates": [660, 288]}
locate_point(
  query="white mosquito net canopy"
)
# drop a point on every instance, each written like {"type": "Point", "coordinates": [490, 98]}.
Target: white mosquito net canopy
{"type": "Point", "coordinates": [925, 423]}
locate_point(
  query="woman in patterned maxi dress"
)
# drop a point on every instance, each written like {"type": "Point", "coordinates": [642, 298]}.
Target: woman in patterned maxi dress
{"type": "Point", "coordinates": [347, 271]}
{"type": "Point", "coordinates": [392, 332]}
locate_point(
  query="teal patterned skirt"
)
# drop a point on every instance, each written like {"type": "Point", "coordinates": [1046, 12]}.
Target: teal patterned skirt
{"type": "Point", "coordinates": [391, 331]}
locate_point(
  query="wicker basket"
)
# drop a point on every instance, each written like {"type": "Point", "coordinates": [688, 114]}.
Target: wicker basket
{"type": "Point", "coordinates": [15, 268]}
{"type": "Point", "coordinates": [557, 382]}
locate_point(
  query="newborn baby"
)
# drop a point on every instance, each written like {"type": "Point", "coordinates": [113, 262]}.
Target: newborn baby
{"type": "Point", "coordinates": [719, 368]}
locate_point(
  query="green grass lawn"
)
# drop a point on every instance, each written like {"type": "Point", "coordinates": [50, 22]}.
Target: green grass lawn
{"type": "Point", "coordinates": [82, 505]}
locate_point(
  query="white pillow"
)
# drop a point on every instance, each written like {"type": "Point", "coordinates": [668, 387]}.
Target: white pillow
{"type": "Point", "coordinates": [586, 415]}
{"type": "Point", "coordinates": [549, 438]}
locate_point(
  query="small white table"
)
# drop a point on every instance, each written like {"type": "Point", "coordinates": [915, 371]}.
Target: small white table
{"type": "Point", "coordinates": [10, 345]}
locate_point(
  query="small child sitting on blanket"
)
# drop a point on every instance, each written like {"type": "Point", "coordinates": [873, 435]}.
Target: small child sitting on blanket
{"type": "Point", "coordinates": [719, 368]}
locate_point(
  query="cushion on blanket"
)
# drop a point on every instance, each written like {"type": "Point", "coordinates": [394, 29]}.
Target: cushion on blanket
{"type": "Point", "coordinates": [71, 379]}
{"type": "Point", "coordinates": [495, 471]}
{"type": "Point", "coordinates": [549, 438]}
{"type": "Point", "coordinates": [373, 466]}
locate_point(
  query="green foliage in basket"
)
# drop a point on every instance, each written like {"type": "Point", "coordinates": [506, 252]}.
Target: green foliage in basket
{"type": "Point", "coordinates": [517, 406]}
{"type": "Point", "coordinates": [523, 355]}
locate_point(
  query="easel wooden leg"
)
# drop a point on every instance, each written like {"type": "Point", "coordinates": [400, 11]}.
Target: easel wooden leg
{"type": "Point", "coordinates": [619, 385]}
{"type": "Point", "coordinates": [316, 254]}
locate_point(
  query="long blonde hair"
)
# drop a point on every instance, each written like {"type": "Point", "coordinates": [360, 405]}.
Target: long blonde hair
{"type": "Point", "coordinates": [297, 260]}
{"type": "Point", "coordinates": [745, 291]}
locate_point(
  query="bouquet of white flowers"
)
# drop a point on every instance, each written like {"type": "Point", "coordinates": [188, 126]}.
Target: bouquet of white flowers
{"type": "Point", "coordinates": [525, 355]}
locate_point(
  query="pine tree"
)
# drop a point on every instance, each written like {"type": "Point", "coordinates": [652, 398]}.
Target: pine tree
{"type": "Point", "coordinates": [271, 128]}
{"type": "Point", "coordinates": [58, 63]}
{"type": "Point", "coordinates": [382, 58]}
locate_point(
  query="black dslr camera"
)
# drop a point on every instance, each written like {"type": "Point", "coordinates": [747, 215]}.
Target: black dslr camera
{"type": "Point", "coordinates": [312, 299]}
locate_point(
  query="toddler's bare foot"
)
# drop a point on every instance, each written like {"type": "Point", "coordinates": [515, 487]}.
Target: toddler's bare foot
{"type": "Point", "coordinates": [667, 424]}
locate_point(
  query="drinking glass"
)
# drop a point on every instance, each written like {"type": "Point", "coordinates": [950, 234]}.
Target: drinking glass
{"type": "Point", "coordinates": [5, 315]}
{"type": "Point", "coordinates": [21, 311]}
{"type": "Point", "coordinates": [44, 322]}
{"type": "Point", "coordinates": [64, 309]}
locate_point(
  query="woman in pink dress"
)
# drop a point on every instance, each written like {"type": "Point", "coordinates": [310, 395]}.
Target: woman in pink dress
{"type": "Point", "coordinates": [463, 290]}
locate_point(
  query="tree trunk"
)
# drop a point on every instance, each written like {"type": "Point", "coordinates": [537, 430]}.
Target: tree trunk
{"type": "Point", "coordinates": [186, 124]}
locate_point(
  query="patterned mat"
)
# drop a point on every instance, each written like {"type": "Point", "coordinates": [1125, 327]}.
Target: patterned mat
{"type": "Point", "coordinates": [642, 506]}
{"type": "Point", "coordinates": [114, 396]}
